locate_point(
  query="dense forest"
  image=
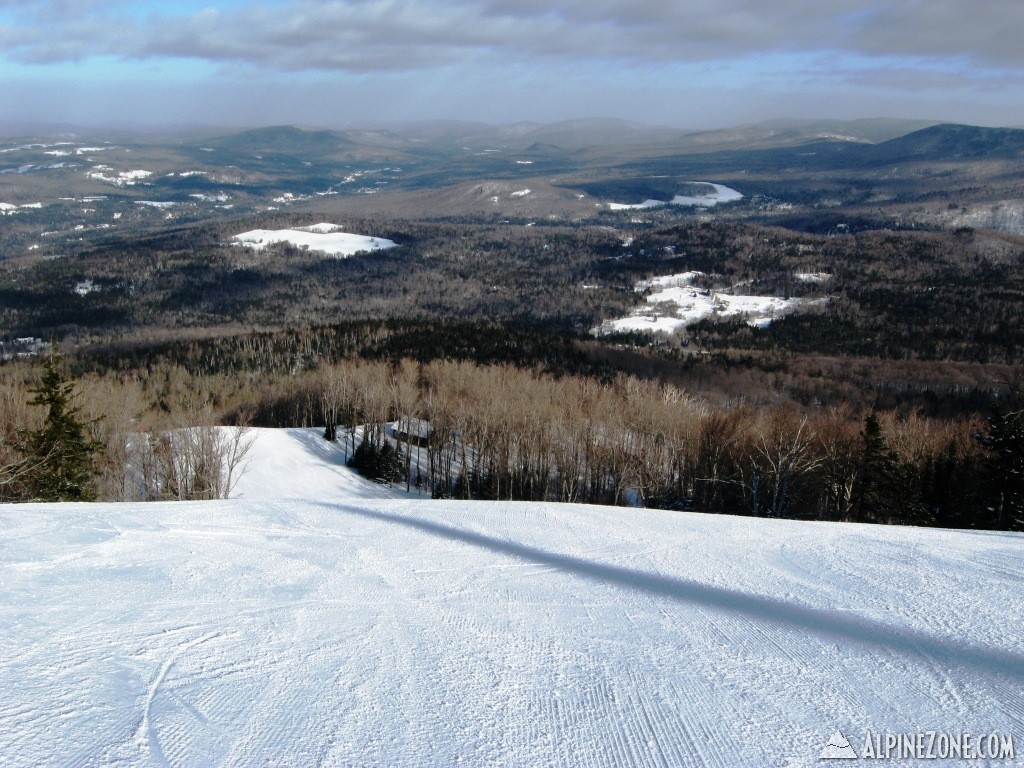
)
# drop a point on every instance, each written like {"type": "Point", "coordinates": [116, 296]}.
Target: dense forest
{"type": "Point", "coordinates": [494, 430]}
{"type": "Point", "coordinates": [887, 294]}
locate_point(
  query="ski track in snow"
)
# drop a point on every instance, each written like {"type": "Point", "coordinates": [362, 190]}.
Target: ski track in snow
{"type": "Point", "coordinates": [399, 632]}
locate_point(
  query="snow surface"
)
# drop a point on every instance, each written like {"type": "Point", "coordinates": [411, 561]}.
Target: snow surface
{"type": "Point", "coordinates": [6, 209]}
{"type": "Point", "coordinates": [674, 303]}
{"type": "Point", "coordinates": [299, 463]}
{"type": "Point", "coordinates": [122, 179]}
{"type": "Point", "coordinates": [349, 631]}
{"type": "Point", "coordinates": [323, 228]}
{"type": "Point", "coordinates": [719, 194]}
{"type": "Point", "coordinates": [813, 277]}
{"type": "Point", "coordinates": [319, 237]}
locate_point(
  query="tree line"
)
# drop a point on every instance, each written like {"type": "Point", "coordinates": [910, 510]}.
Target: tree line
{"type": "Point", "coordinates": [464, 430]}
{"type": "Point", "coordinates": [498, 432]}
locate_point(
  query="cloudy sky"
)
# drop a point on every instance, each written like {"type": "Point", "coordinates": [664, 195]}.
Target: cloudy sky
{"type": "Point", "coordinates": [685, 63]}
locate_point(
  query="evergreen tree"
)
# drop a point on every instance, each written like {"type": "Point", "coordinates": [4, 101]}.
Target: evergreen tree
{"type": "Point", "coordinates": [1004, 469]}
{"type": "Point", "coordinates": [381, 463]}
{"type": "Point", "coordinates": [62, 457]}
{"type": "Point", "coordinates": [876, 475]}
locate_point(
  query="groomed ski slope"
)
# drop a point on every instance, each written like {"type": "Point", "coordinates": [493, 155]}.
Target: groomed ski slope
{"type": "Point", "coordinates": [298, 463]}
{"type": "Point", "coordinates": [347, 631]}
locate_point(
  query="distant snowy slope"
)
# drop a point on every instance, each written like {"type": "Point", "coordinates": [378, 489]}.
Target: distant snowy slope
{"type": "Point", "coordinates": [300, 464]}
{"type": "Point", "coordinates": [717, 193]}
{"type": "Point", "coordinates": [419, 633]}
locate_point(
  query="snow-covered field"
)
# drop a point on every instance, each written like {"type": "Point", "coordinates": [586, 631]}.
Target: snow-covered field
{"type": "Point", "coordinates": [319, 237]}
{"type": "Point", "coordinates": [674, 303]}
{"type": "Point", "coordinates": [717, 194]}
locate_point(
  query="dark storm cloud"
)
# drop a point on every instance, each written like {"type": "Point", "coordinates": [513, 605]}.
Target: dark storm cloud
{"type": "Point", "coordinates": [375, 35]}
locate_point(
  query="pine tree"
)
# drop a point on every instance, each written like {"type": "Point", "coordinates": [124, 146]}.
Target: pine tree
{"type": "Point", "coordinates": [876, 475]}
{"type": "Point", "coordinates": [62, 457]}
{"type": "Point", "coordinates": [1004, 468]}
{"type": "Point", "coordinates": [383, 464]}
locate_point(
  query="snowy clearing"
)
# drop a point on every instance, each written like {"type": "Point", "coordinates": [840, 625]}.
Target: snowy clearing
{"type": "Point", "coordinates": [7, 209]}
{"type": "Point", "coordinates": [122, 179]}
{"type": "Point", "coordinates": [85, 287]}
{"type": "Point", "coordinates": [347, 631]}
{"type": "Point", "coordinates": [718, 194]}
{"type": "Point", "coordinates": [813, 277]}
{"type": "Point", "coordinates": [674, 303]}
{"type": "Point", "coordinates": [319, 237]}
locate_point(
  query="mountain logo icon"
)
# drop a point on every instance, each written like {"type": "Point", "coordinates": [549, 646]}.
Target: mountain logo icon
{"type": "Point", "coordinates": [838, 748]}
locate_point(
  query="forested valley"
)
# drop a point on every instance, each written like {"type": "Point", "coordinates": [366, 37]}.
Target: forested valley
{"type": "Point", "coordinates": [889, 390]}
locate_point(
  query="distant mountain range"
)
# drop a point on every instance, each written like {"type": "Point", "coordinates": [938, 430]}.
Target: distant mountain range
{"type": "Point", "coordinates": [857, 142]}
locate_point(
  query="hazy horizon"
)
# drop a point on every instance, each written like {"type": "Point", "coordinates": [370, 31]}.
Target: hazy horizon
{"type": "Point", "coordinates": [691, 65]}
{"type": "Point", "coordinates": [13, 128]}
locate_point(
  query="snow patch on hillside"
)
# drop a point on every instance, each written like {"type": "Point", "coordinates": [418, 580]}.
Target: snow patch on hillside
{"type": "Point", "coordinates": [331, 241]}
{"type": "Point", "coordinates": [121, 179]}
{"type": "Point", "coordinates": [1002, 215]}
{"type": "Point", "coordinates": [673, 302]}
{"type": "Point", "coordinates": [717, 194]}
{"type": "Point", "coordinates": [813, 277]}
{"type": "Point", "coordinates": [85, 287]}
{"type": "Point", "coordinates": [7, 209]}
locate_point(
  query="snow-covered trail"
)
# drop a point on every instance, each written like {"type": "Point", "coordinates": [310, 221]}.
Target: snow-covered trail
{"type": "Point", "coordinates": [417, 633]}
{"type": "Point", "coordinates": [297, 463]}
